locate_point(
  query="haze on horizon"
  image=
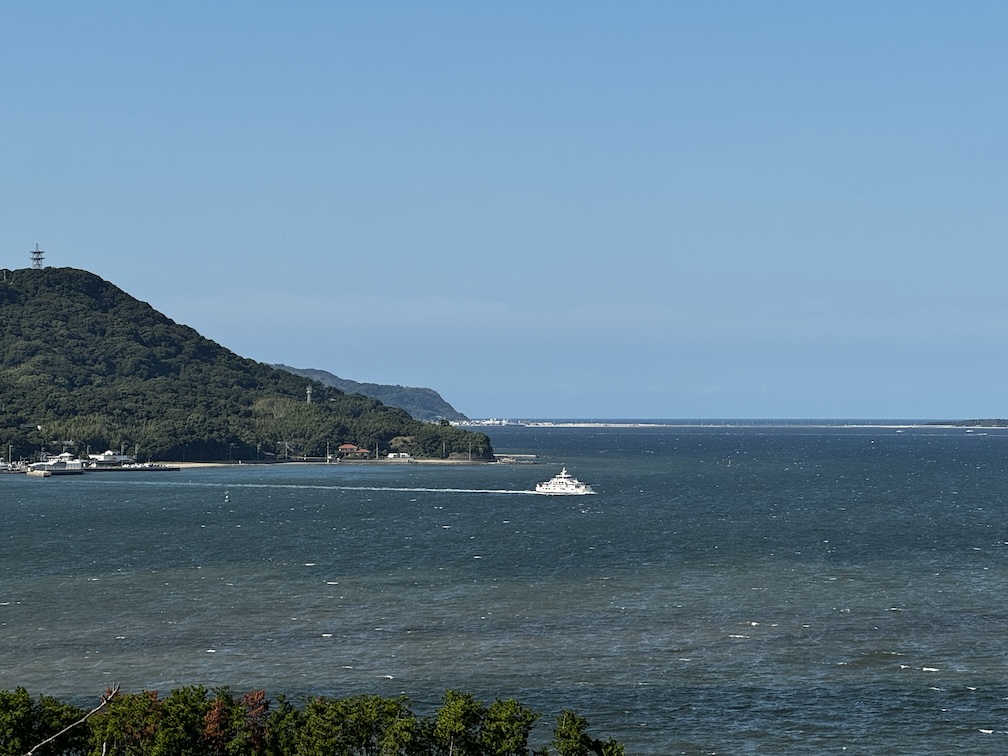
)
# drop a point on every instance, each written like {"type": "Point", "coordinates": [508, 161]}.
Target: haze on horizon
{"type": "Point", "coordinates": [596, 209]}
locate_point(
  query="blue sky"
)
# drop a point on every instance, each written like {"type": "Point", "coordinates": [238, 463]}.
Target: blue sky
{"type": "Point", "coordinates": [566, 209]}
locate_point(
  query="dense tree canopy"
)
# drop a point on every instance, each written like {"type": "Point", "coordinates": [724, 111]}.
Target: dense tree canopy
{"type": "Point", "coordinates": [81, 361]}
{"type": "Point", "coordinates": [192, 721]}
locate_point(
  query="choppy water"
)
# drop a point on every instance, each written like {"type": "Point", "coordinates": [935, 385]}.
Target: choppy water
{"type": "Point", "coordinates": [730, 590]}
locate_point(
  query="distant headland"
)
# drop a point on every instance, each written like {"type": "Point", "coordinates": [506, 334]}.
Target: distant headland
{"type": "Point", "coordinates": [421, 403]}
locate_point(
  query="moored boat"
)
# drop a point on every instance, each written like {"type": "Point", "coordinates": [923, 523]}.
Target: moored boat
{"type": "Point", "coordinates": [64, 464]}
{"type": "Point", "coordinates": [109, 458]}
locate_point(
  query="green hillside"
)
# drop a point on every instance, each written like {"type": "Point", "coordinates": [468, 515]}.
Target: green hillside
{"type": "Point", "coordinates": [81, 361]}
{"type": "Point", "coordinates": [421, 403]}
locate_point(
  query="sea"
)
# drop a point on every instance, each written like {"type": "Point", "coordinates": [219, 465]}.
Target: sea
{"type": "Point", "coordinates": [729, 589]}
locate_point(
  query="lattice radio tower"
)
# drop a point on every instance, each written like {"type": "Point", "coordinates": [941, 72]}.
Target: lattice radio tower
{"type": "Point", "coordinates": [37, 255]}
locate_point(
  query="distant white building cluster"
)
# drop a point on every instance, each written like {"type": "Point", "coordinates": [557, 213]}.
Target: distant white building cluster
{"type": "Point", "coordinates": [490, 422]}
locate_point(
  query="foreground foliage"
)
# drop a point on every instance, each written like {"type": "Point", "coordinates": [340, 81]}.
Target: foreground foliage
{"type": "Point", "coordinates": [81, 361]}
{"type": "Point", "coordinates": [190, 721]}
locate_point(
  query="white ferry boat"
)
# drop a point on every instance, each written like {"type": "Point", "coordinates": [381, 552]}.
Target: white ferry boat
{"type": "Point", "coordinates": [64, 464]}
{"type": "Point", "coordinates": [563, 484]}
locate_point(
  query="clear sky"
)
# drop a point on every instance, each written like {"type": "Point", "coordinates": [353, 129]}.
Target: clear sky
{"type": "Point", "coordinates": [560, 209]}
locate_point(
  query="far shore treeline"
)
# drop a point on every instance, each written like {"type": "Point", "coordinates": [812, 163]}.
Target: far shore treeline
{"type": "Point", "coordinates": [192, 721]}
{"type": "Point", "coordinates": [83, 365]}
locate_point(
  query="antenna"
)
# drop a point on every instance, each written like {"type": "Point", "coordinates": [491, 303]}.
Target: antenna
{"type": "Point", "coordinates": [36, 256]}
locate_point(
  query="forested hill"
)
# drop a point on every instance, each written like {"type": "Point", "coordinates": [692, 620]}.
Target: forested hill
{"type": "Point", "coordinates": [81, 361]}
{"type": "Point", "coordinates": [421, 403]}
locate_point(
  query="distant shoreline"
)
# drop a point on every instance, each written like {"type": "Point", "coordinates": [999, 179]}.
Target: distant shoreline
{"type": "Point", "coordinates": [865, 424]}
{"type": "Point", "coordinates": [323, 463]}
{"type": "Point", "coordinates": [740, 424]}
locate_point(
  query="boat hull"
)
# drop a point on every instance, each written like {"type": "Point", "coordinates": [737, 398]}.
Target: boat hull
{"type": "Point", "coordinates": [60, 467]}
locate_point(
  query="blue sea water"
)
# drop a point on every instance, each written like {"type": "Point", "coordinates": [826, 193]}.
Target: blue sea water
{"type": "Point", "coordinates": [728, 590]}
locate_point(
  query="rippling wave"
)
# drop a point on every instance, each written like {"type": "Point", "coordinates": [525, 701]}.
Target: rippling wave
{"type": "Point", "coordinates": [738, 590]}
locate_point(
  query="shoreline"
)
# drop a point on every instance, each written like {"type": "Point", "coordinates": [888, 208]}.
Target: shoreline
{"type": "Point", "coordinates": [741, 424]}
{"type": "Point", "coordinates": [323, 463]}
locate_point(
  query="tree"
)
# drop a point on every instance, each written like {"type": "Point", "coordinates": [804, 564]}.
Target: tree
{"type": "Point", "coordinates": [457, 724]}
{"type": "Point", "coordinates": [506, 728]}
{"type": "Point", "coordinates": [357, 726]}
{"type": "Point", "coordinates": [570, 738]}
{"type": "Point", "coordinates": [236, 727]}
{"type": "Point", "coordinates": [282, 728]}
{"type": "Point", "coordinates": [26, 722]}
{"type": "Point", "coordinates": [129, 725]}
{"type": "Point", "coordinates": [183, 713]}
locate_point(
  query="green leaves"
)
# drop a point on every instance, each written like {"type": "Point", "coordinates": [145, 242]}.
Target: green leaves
{"type": "Point", "coordinates": [128, 725]}
{"type": "Point", "coordinates": [570, 738]}
{"type": "Point", "coordinates": [25, 722]}
{"type": "Point", "coordinates": [357, 726]}
{"type": "Point", "coordinates": [506, 728]}
{"type": "Point", "coordinates": [191, 722]}
{"type": "Point", "coordinates": [458, 724]}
